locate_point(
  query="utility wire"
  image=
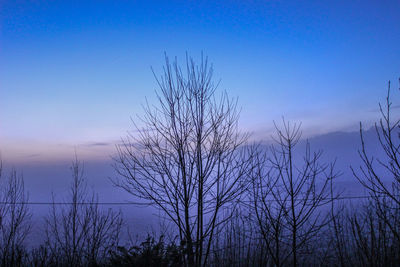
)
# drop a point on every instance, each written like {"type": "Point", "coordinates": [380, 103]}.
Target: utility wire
{"type": "Point", "coordinates": [147, 204]}
{"type": "Point", "coordinates": [72, 203]}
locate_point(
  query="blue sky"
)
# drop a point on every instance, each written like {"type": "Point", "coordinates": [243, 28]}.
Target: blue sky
{"type": "Point", "coordinates": [73, 73]}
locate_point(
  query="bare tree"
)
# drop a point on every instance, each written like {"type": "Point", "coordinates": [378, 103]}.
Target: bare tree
{"type": "Point", "coordinates": [238, 243]}
{"type": "Point", "coordinates": [338, 248]}
{"type": "Point", "coordinates": [78, 231]}
{"type": "Point", "coordinates": [286, 196]}
{"type": "Point", "coordinates": [373, 242]}
{"type": "Point", "coordinates": [187, 159]}
{"type": "Point", "coordinates": [381, 179]}
{"type": "Point", "coordinates": [15, 219]}
{"type": "Point", "coordinates": [381, 176]}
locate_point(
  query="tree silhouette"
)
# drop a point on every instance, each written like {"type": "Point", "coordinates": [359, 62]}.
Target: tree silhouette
{"type": "Point", "coordinates": [15, 219]}
{"type": "Point", "coordinates": [79, 232]}
{"type": "Point", "coordinates": [188, 159]}
{"type": "Point", "coordinates": [286, 196]}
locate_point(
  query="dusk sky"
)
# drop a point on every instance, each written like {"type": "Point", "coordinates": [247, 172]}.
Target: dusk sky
{"type": "Point", "coordinates": [73, 73]}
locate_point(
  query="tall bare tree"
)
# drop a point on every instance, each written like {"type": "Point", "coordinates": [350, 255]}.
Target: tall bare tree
{"type": "Point", "coordinates": [287, 193]}
{"type": "Point", "coordinates": [187, 159]}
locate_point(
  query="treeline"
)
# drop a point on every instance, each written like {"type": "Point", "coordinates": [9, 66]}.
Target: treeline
{"type": "Point", "coordinates": [226, 201]}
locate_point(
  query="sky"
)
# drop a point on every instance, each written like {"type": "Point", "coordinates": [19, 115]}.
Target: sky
{"type": "Point", "coordinates": [74, 73]}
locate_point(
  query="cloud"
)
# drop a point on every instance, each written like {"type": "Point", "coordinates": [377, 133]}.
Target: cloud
{"type": "Point", "coordinates": [33, 155]}
{"type": "Point", "coordinates": [97, 144]}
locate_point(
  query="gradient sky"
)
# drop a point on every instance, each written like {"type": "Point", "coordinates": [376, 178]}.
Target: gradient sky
{"type": "Point", "coordinates": [72, 73]}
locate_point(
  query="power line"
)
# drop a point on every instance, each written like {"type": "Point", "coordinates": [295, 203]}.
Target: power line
{"type": "Point", "coordinates": [72, 203]}
{"type": "Point", "coordinates": [147, 204]}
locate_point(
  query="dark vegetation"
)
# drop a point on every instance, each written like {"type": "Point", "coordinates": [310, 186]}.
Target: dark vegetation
{"type": "Point", "coordinates": [227, 202]}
